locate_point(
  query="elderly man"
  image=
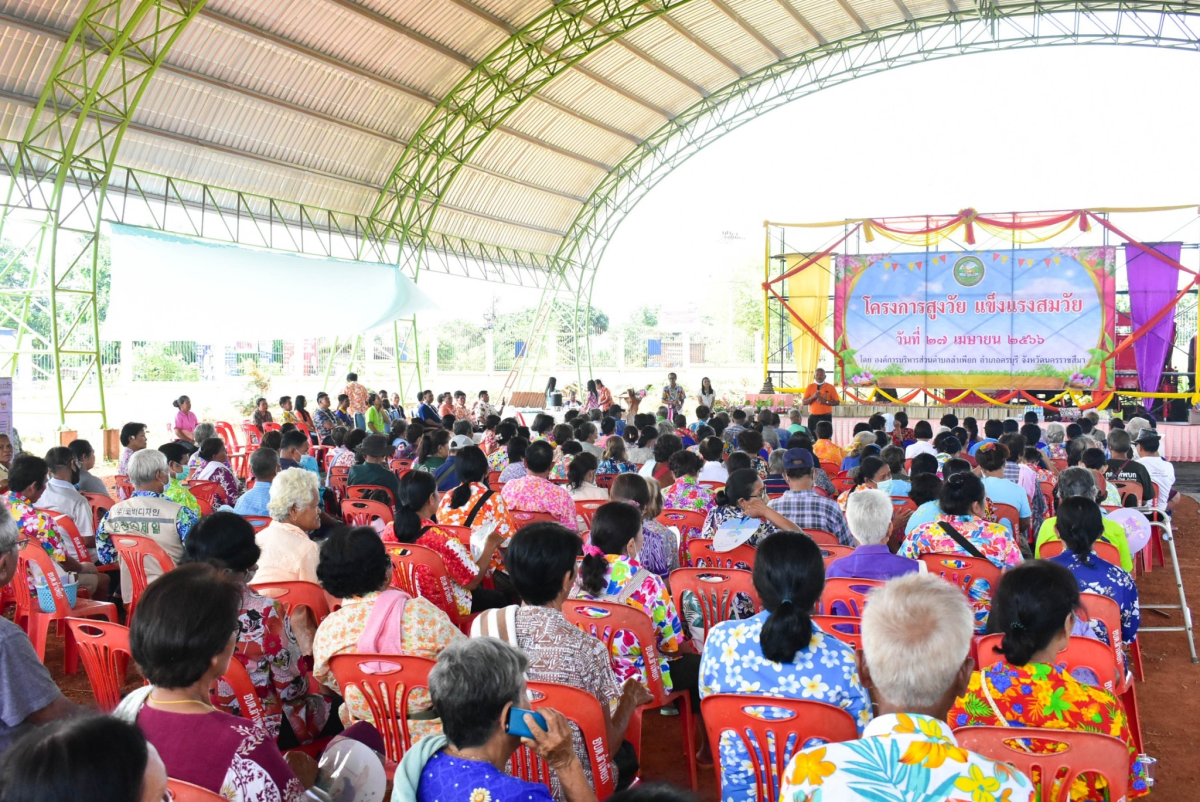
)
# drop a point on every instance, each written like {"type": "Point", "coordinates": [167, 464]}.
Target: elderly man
{"type": "Point", "coordinates": [801, 505]}
{"type": "Point", "coordinates": [28, 695]}
{"type": "Point", "coordinates": [915, 661]}
{"type": "Point", "coordinates": [869, 513]}
{"type": "Point", "coordinates": [148, 513]}
{"type": "Point", "coordinates": [26, 484]}
{"type": "Point", "coordinates": [1079, 481]}
{"type": "Point", "coordinates": [264, 464]}
{"type": "Point", "coordinates": [61, 496]}
{"type": "Point", "coordinates": [820, 397]}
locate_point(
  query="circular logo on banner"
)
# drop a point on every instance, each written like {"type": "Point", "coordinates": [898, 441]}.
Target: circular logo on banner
{"type": "Point", "coordinates": [968, 271]}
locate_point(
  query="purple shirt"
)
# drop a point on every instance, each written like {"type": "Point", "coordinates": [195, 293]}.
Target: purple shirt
{"type": "Point", "coordinates": [871, 562]}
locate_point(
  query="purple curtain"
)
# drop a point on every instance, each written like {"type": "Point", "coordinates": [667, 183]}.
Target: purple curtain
{"type": "Point", "coordinates": [1152, 285]}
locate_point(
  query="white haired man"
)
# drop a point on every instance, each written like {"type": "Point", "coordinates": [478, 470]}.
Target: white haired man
{"type": "Point", "coordinates": [146, 512]}
{"type": "Point", "coordinates": [915, 660]}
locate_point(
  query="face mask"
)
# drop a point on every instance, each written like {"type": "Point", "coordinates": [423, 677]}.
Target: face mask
{"type": "Point", "coordinates": [182, 475]}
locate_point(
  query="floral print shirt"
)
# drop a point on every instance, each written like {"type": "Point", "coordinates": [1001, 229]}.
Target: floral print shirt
{"type": "Point", "coordinates": [513, 472]}
{"type": "Point", "coordinates": [181, 495]}
{"type": "Point", "coordinates": [277, 667]}
{"type": "Point", "coordinates": [494, 510]}
{"type": "Point", "coordinates": [733, 662]}
{"type": "Point", "coordinates": [325, 422]}
{"type": "Point", "coordinates": [498, 459]}
{"type": "Point", "coordinates": [535, 494]}
{"type": "Point", "coordinates": [358, 398]}
{"type": "Point", "coordinates": [615, 466]}
{"type": "Point", "coordinates": [1106, 579]}
{"type": "Point", "coordinates": [38, 525]}
{"type": "Point", "coordinates": [660, 549]}
{"type": "Point", "coordinates": [901, 756]}
{"type": "Point", "coordinates": [446, 778]}
{"type": "Point", "coordinates": [688, 494]}
{"type": "Point", "coordinates": [1040, 695]}
{"type": "Point", "coordinates": [424, 632]}
{"type": "Point", "coordinates": [459, 566]}
{"type": "Point", "coordinates": [630, 583]}
{"type": "Point", "coordinates": [219, 472]}
{"type": "Point", "coordinates": [991, 539]}
{"type": "Point", "coordinates": [673, 397]}
{"type": "Point", "coordinates": [828, 451]}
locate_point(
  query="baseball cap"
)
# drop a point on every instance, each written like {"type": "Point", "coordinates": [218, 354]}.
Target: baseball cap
{"type": "Point", "coordinates": [795, 458]}
{"type": "Point", "coordinates": [460, 441]}
{"type": "Point", "coordinates": [375, 445]}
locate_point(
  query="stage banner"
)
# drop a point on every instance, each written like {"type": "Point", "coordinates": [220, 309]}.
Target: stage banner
{"type": "Point", "coordinates": [1033, 318]}
{"type": "Point", "coordinates": [808, 296]}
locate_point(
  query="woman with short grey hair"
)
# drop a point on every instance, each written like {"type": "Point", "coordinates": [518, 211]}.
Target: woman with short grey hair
{"type": "Point", "coordinates": [288, 555]}
{"type": "Point", "coordinates": [1078, 481]}
{"type": "Point", "coordinates": [474, 685]}
{"type": "Point", "coordinates": [1056, 433]}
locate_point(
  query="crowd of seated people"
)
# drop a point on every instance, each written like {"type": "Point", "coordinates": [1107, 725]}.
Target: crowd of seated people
{"type": "Point", "coordinates": [496, 505]}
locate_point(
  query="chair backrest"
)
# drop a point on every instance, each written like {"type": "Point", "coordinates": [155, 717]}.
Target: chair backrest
{"type": "Point", "coordinates": [100, 504]}
{"type": "Point", "coordinates": [1104, 550]}
{"type": "Point", "coordinates": [407, 558]}
{"type": "Point", "coordinates": [1047, 489]}
{"type": "Point", "coordinates": [67, 524]}
{"type": "Point", "coordinates": [586, 509]}
{"type": "Point", "coordinates": [845, 628]}
{"type": "Point", "coordinates": [272, 426]}
{"type": "Point", "coordinates": [902, 503]}
{"type": "Point", "coordinates": [523, 518]}
{"type": "Point", "coordinates": [771, 742]}
{"type": "Point", "coordinates": [365, 491]}
{"type": "Point", "coordinates": [135, 549]}
{"type": "Point", "coordinates": [715, 589]}
{"type": "Point", "coordinates": [253, 435]}
{"type": "Point", "coordinates": [969, 573]}
{"type": "Point", "coordinates": [32, 553]}
{"type": "Point", "coordinates": [831, 553]}
{"type": "Point", "coordinates": [689, 522]}
{"type": "Point", "coordinates": [1127, 489]}
{"type": "Point", "coordinates": [1105, 609]}
{"type": "Point", "coordinates": [238, 678]}
{"type": "Point", "coordinates": [104, 649]}
{"type": "Point", "coordinates": [259, 522]}
{"type": "Point", "coordinates": [227, 433]}
{"type": "Point", "coordinates": [850, 595]}
{"type": "Point", "coordinates": [398, 465]}
{"type": "Point", "coordinates": [833, 469]}
{"type": "Point", "coordinates": [293, 594]}
{"type": "Point", "coordinates": [1085, 752]}
{"type": "Point", "coordinates": [821, 537]}
{"type": "Point", "coordinates": [607, 621]}
{"type": "Point", "coordinates": [208, 494]}
{"type": "Point", "coordinates": [361, 511]}
{"type": "Point", "coordinates": [385, 682]}
{"type": "Point", "coordinates": [711, 485]}
{"type": "Point", "coordinates": [494, 478]}
{"type": "Point", "coordinates": [701, 555]}
{"type": "Point", "coordinates": [1081, 652]}
{"type": "Point", "coordinates": [583, 710]}
{"type": "Point", "coordinates": [463, 533]}
{"type": "Point", "coordinates": [841, 483]}
{"type": "Point", "coordinates": [605, 480]}
{"type": "Point", "coordinates": [124, 487]}
{"type": "Point", "coordinates": [186, 792]}
{"type": "Point", "coordinates": [1007, 512]}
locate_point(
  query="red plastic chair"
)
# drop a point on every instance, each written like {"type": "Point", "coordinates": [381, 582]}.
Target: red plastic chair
{"type": "Point", "coordinates": [821, 537]}
{"type": "Point", "coordinates": [841, 483]}
{"type": "Point", "coordinates": [124, 488]}
{"type": "Point", "coordinates": [583, 710]}
{"type": "Point", "coordinates": [1080, 653]}
{"type": "Point", "coordinates": [1007, 512]}
{"type": "Point", "coordinates": [238, 455]}
{"type": "Point", "coordinates": [831, 553]}
{"type": "Point", "coordinates": [463, 533]}
{"type": "Point", "coordinates": [259, 522]}
{"type": "Point", "coordinates": [586, 509]}
{"type": "Point", "coordinates": [690, 524]}
{"type": "Point", "coordinates": [608, 620]}
{"type": "Point", "coordinates": [715, 589]}
{"type": "Point", "coordinates": [701, 555]}
{"type": "Point", "coordinates": [104, 649]}
{"type": "Point", "coordinates": [902, 503]}
{"type": "Point", "coordinates": [100, 503]}
{"type": "Point", "coordinates": [1047, 490]}
{"type": "Point", "coordinates": [294, 594]}
{"type": "Point", "coordinates": [398, 465]}
{"type": "Point", "coordinates": [68, 526]}
{"type": "Point", "coordinates": [845, 628]}
{"type": "Point", "coordinates": [365, 491]}
{"type": "Point", "coordinates": [523, 518]}
{"type": "Point", "coordinates": [1086, 752]}
{"type": "Point", "coordinates": [338, 478]}
{"type": "Point", "coordinates": [1107, 610]}
{"type": "Point", "coordinates": [133, 551]}
{"type": "Point", "coordinates": [1128, 489]}
{"type": "Point", "coordinates": [186, 792]}
{"type": "Point", "coordinates": [770, 743]}
{"type": "Point", "coordinates": [1060, 464]}
{"type": "Point", "coordinates": [408, 559]}
{"type": "Point", "coordinates": [1104, 550]}
{"type": "Point", "coordinates": [494, 479]}
{"type": "Point", "coordinates": [210, 495]}
{"type": "Point", "coordinates": [385, 682]}
{"type": "Point", "coordinates": [272, 426]}
{"type": "Point", "coordinates": [29, 615]}
{"type": "Point", "coordinates": [833, 469]}
{"type": "Point", "coordinates": [238, 678]}
{"type": "Point", "coordinates": [361, 511]}
{"type": "Point", "coordinates": [963, 571]}
{"type": "Point", "coordinates": [711, 485]}
{"type": "Point", "coordinates": [847, 594]}
{"type": "Point", "coordinates": [606, 480]}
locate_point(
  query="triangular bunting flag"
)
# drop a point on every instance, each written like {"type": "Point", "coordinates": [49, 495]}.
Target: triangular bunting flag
{"type": "Point", "coordinates": [995, 256]}
{"type": "Point", "coordinates": [1047, 261]}
{"type": "Point", "coordinates": [1056, 259]}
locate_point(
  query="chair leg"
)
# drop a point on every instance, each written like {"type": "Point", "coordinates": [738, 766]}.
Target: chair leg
{"type": "Point", "coordinates": [688, 722]}
{"type": "Point", "coordinates": [39, 633]}
{"type": "Point", "coordinates": [1135, 653]}
{"type": "Point", "coordinates": [70, 649]}
{"type": "Point", "coordinates": [1129, 700]}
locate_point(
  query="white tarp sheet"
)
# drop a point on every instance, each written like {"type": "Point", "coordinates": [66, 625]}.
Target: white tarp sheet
{"type": "Point", "coordinates": [169, 287]}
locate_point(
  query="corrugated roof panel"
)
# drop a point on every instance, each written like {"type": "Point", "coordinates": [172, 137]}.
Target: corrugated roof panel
{"type": "Point", "coordinates": [449, 24]}
{"type": "Point", "coordinates": [548, 124]}
{"type": "Point", "coordinates": [827, 17]}
{"type": "Point", "coordinates": [711, 25]}
{"type": "Point", "coordinates": [55, 13]}
{"type": "Point", "coordinates": [517, 13]}
{"type": "Point", "coordinates": [489, 195]}
{"type": "Point", "coordinates": [877, 13]}
{"type": "Point", "coordinates": [775, 24]}
{"type": "Point", "coordinates": [14, 119]}
{"type": "Point", "coordinates": [448, 221]}
{"type": "Point", "coordinates": [664, 43]}
{"type": "Point", "coordinates": [926, 8]}
{"type": "Point", "coordinates": [601, 103]}
{"type": "Point", "coordinates": [634, 74]}
{"type": "Point", "coordinates": [26, 61]}
{"type": "Point", "coordinates": [509, 155]}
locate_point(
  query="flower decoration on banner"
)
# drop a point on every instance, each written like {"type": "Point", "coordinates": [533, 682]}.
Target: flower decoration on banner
{"type": "Point", "coordinates": [849, 266]}
{"type": "Point", "coordinates": [862, 378]}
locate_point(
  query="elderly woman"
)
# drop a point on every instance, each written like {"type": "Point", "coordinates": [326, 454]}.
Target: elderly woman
{"type": "Point", "coordinates": [266, 645]}
{"type": "Point", "coordinates": [182, 638]}
{"type": "Point", "coordinates": [1056, 434]}
{"type": "Point", "coordinates": [1034, 609]}
{"type": "Point", "coordinates": [687, 493]}
{"type": "Point", "coordinates": [62, 761]}
{"type": "Point", "coordinates": [854, 452]}
{"type": "Point", "coordinates": [216, 469]}
{"type": "Point", "coordinates": [262, 413]}
{"type": "Point", "coordinates": [203, 432]}
{"type": "Point", "coordinates": [1080, 482]}
{"type": "Point", "coordinates": [780, 651]}
{"type": "Point", "coordinates": [288, 555]}
{"type": "Point", "coordinates": [615, 459]}
{"type": "Point", "coordinates": [474, 686]}
{"type": "Point", "coordinates": [355, 568]}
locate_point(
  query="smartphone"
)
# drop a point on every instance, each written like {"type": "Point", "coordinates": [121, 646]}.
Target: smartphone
{"type": "Point", "coordinates": [516, 722]}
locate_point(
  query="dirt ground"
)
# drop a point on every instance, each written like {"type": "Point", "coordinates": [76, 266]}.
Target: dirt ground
{"type": "Point", "coordinates": [1169, 699]}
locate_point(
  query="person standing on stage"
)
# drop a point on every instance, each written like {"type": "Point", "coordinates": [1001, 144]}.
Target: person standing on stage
{"type": "Point", "coordinates": [820, 398]}
{"type": "Point", "coordinates": [673, 396]}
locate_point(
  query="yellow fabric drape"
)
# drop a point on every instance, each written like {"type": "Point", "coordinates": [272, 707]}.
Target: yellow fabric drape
{"type": "Point", "coordinates": [808, 295]}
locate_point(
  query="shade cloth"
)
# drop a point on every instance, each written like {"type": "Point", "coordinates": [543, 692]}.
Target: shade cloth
{"type": "Point", "coordinates": [1152, 285]}
{"type": "Point", "coordinates": [168, 287]}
